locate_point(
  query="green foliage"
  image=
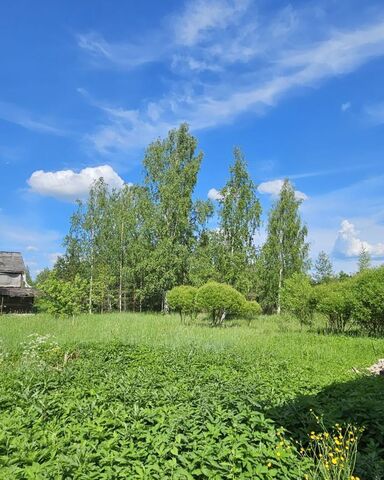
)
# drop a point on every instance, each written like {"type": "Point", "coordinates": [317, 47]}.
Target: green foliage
{"type": "Point", "coordinates": [368, 300]}
{"type": "Point", "coordinates": [63, 297]}
{"type": "Point", "coordinates": [219, 300]}
{"type": "Point", "coordinates": [335, 300]}
{"type": "Point", "coordinates": [364, 260]}
{"type": "Point", "coordinates": [298, 298]}
{"type": "Point", "coordinates": [285, 251]}
{"type": "Point", "coordinates": [42, 276]}
{"type": "Point", "coordinates": [124, 412]}
{"type": "Point", "coordinates": [116, 410]}
{"type": "Point", "coordinates": [182, 300]}
{"type": "Point", "coordinates": [250, 309]}
{"type": "Point", "coordinates": [323, 268]}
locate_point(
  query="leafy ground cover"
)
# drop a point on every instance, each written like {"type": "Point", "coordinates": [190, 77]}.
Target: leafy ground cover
{"type": "Point", "coordinates": [130, 396]}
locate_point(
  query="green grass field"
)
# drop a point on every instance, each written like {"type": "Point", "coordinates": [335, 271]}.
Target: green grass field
{"type": "Point", "coordinates": [142, 396]}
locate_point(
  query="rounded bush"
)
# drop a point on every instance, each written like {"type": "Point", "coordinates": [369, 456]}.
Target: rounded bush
{"type": "Point", "coordinates": [219, 300]}
{"type": "Point", "coordinates": [182, 300]}
{"type": "Point", "coordinates": [250, 309]}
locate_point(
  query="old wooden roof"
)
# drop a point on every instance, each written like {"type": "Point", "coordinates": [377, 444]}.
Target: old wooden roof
{"type": "Point", "coordinates": [18, 292]}
{"type": "Point", "coordinates": [11, 262]}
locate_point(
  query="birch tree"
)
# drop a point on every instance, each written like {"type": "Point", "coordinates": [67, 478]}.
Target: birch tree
{"type": "Point", "coordinates": [323, 268]}
{"type": "Point", "coordinates": [239, 220]}
{"type": "Point", "coordinates": [285, 251]}
{"type": "Point", "coordinates": [171, 168]}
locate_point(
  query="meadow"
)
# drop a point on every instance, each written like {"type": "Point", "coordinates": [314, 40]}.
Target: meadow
{"type": "Point", "coordinates": [144, 396]}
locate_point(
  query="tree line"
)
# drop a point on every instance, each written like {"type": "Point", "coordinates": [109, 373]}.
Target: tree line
{"type": "Point", "coordinates": [127, 248]}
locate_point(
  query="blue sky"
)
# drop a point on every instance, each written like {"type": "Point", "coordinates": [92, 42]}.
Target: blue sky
{"type": "Point", "coordinates": [85, 86]}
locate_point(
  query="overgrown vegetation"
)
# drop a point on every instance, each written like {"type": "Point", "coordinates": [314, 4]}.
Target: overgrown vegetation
{"type": "Point", "coordinates": [165, 400]}
{"type": "Point", "coordinates": [151, 397]}
{"type": "Point", "coordinates": [356, 302]}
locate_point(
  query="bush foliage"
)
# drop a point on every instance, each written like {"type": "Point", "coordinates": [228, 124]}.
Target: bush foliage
{"type": "Point", "coordinates": [335, 301]}
{"type": "Point", "coordinates": [368, 300]}
{"type": "Point", "coordinates": [219, 300]}
{"type": "Point", "coordinates": [298, 298]}
{"type": "Point", "coordinates": [182, 300]}
{"type": "Point", "coordinates": [250, 309]}
{"type": "Point", "coordinates": [61, 297]}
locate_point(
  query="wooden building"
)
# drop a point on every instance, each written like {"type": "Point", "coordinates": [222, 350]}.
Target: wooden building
{"type": "Point", "coordinates": [16, 296]}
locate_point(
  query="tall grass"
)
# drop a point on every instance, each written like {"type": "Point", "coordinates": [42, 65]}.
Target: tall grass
{"type": "Point", "coordinates": [276, 336]}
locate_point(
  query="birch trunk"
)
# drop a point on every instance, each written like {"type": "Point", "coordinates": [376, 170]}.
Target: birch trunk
{"type": "Point", "coordinates": [279, 291]}
{"type": "Point", "coordinates": [121, 267]}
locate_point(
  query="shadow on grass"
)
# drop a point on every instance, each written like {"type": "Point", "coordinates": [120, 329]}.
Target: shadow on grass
{"type": "Point", "coordinates": [360, 402]}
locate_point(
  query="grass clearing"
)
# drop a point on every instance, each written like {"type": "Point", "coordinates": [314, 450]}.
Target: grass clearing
{"type": "Point", "coordinates": [142, 396]}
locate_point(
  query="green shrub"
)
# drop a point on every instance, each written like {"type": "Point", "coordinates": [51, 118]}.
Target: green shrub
{"type": "Point", "coordinates": [219, 300]}
{"type": "Point", "coordinates": [250, 309]}
{"type": "Point", "coordinates": [368, 300]}
{"type": "Point", "coordinates": [61, 297]}
{"type": "Point", "coordinates": [182, 300]}
{"type": "Point", "coordinates": [335, 301]}
{"type": "Point", "coordinates": [298, 298]}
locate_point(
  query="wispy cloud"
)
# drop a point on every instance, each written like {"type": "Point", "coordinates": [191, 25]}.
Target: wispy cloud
{"type": "Point", "coordinates": [330, 171]}
{"type": "Point", "coordinates": [123, 55]}
{"type": "Point", "coordinates": [13, 114]}
{"type": "Point", "coordinates": [345, 106]}
{"type": "Point", "coordinates": [206, 89]}
{"type": "Point", "coordinates": [375, 113]}
{"type": "Point", "coordinates": [201, 17]}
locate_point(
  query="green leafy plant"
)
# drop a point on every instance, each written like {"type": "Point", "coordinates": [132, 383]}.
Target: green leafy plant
{"type": "Point", "coordinates": [250, 310]}
{"type": "Point", "coordinates": [368, 300]}
{"type": "Point", "coordinates": [63, 297]}
{"type": "Point", "coordinates": [182, 300]}
{"type": "Point", "coordinates": [335, 301]}
{"type": "Point", "coordinates": [219, 300]}
{"type": "Point", "coordinates": [298, 298]}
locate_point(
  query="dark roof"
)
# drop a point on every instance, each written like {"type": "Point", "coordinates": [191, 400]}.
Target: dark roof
{"type": "Point", "coordinates": [18, 292]}
{"type": "Point", "coordinates": [11, 262]}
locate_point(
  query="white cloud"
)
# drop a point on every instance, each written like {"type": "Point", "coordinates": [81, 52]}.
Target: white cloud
{"type": "Point", "coordinates": [273, 187]}
{"type": "Point", "coordinates": [31, 248]}
{"type": "Point", "coordinates": [69, 185]}
{"type": "Point", "coordinates": [349, 244]}
{"type": "Point", "coordinates": [214, 194]}
{"type": "Point", "coordinates": [345, 106]}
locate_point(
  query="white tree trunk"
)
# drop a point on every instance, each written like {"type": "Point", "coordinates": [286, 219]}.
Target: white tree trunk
{"type": "Point", "coordinates": [121, 268]}
{"type": "Point", "coordinates": [279, 291]}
